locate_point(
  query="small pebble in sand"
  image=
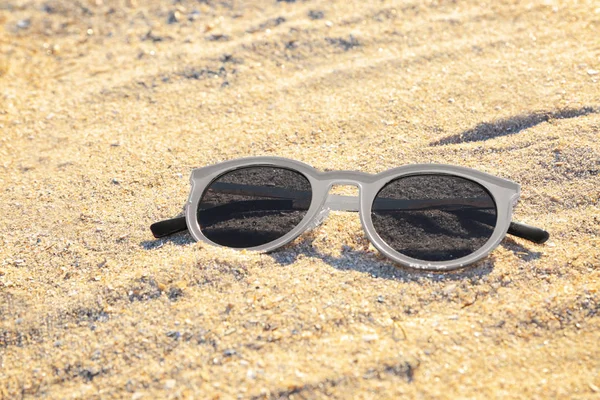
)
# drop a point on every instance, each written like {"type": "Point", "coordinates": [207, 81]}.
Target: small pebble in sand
{"type": "Point", "coordinates": [592, 72]}
{"type": "Point", "coordinates": [194, 15]}
{"type": "Point", "coordinates": [24, 24]}
{"type": "Point", "coordinates": [170, 384]}
{"type": "Point", "coordinates": [450, 289]}
{"type": "Point", "coordinates": [174, 17]}
{"type": "Point", "coordinates": [176, 335]}
{"type": "Point", "coordinates": [370, 338]}
{"type": "Point", "coordinates": [316, 14]}
{"type": "Point", "coordinates": [229, 352]}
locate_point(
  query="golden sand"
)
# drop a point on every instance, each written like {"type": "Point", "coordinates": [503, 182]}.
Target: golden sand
{"type": "Point", "coordinates": [105, 107]}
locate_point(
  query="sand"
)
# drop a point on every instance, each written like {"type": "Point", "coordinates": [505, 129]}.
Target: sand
{"type": "Point", "coordinates": [106, 107]}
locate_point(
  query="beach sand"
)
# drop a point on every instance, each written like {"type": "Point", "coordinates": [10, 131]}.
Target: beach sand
{"type": "Point", "coordinates": [107, 105]}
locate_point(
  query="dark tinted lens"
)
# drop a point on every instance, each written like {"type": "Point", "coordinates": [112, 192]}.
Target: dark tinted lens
{"type": "Point", "coordinates": [434, 217]}
{"type": "Point", "coordinates": [253, 206]}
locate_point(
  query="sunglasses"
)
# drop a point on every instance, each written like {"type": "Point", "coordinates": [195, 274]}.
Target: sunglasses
{"type": "Point", "coordinates": [427, 216]}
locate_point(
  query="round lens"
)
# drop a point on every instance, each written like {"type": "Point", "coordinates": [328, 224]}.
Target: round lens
{"type": "Point", "coordinates": [253, 206]}
{"type": "Point", "coordinates": [434, 217]}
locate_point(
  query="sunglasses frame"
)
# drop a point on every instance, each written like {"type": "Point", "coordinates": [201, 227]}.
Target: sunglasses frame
{"type": "Point", "coordinates": [505, 194]}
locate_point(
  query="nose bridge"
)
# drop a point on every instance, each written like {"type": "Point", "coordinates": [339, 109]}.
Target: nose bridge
{"type": "Point", "coordinates": [352, 178]}
{"type": "Point", "coordinates": [344, 182]}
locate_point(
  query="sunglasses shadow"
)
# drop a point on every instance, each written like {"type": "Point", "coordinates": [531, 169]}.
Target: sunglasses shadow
{"type": "Point", "coordinates": [180, 239]}
{"type": "Point", "coordinates": [364, 261]}
{"type": "Point", "coordinates": [375, 265]}
{"type": "Point", "coordinates": [519, 251]}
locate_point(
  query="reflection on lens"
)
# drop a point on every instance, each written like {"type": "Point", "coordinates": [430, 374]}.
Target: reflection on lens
{"type": "Point", "coordinates": [253, 206]}
{"type": "Point", "coordinates": [434, 217]}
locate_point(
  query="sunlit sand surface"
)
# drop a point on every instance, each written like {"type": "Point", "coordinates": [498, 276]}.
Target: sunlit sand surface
{"type": "Point", "coordinates": [106, 106]}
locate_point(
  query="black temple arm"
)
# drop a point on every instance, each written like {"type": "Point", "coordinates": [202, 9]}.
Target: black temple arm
{"type": "Point", "coordinates": [531, 233]}
{"type": "Point", "coordinates": [168, 227]}
{"type": "Point", "coordinates": [519, 229]}
{"type": "Point", "coordinates": [171, 226]}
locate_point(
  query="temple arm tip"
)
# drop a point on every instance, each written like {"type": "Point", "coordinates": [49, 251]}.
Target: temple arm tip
{"type": "Point", "coordinates": [531, 233]}
{"type": "Point", "coordinates": [168, 227]}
